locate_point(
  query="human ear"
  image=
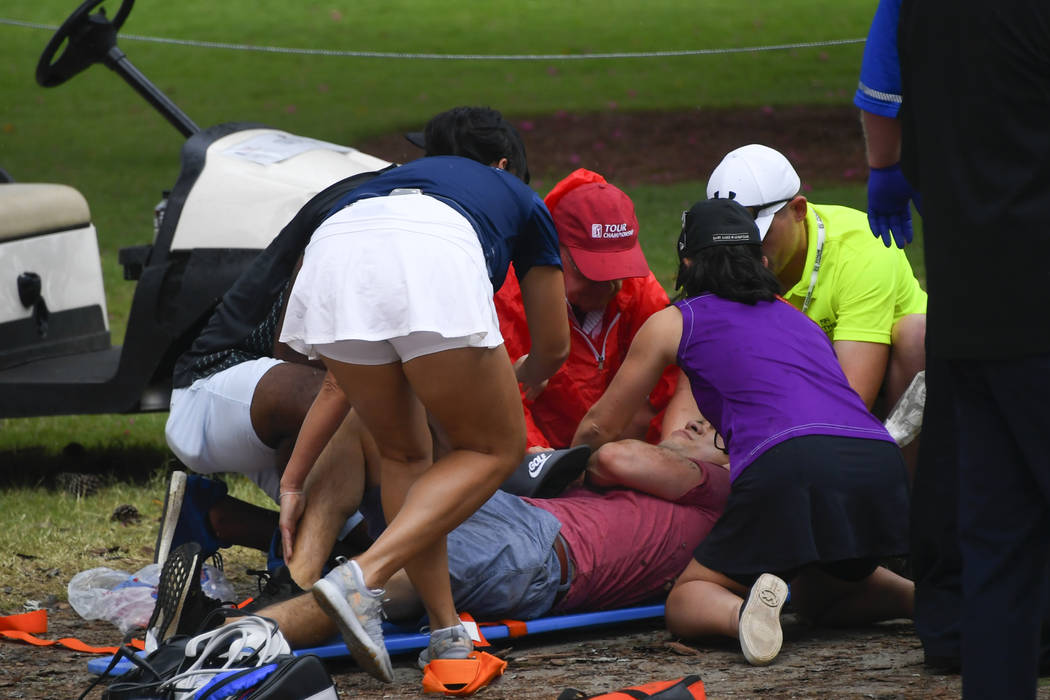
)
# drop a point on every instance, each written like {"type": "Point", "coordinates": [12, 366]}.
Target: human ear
{"type": "Point", "coordinates": [798, 207]}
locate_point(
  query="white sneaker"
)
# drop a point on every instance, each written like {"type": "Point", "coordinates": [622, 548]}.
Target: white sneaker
{"type": "Point", "coordinates": [760, 633]}
{"type": "Point", "coordinates": [357, 610]}
{"type": "Point", "coordinates": [245, 643]}
{"type": "Point", "coordinates": [447, 643]}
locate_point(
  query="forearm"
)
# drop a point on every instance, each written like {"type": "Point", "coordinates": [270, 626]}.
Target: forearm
{"type": "Point", "coordinates": [652, 469]}
{"type": "Point", "coordinates": [543, 298]}
{"type": "Point", "coordinates": [882, 139]}
{"type": "Point", "coordinates": [322, 420]}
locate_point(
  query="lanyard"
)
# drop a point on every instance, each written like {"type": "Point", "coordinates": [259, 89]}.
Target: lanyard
{"type": "Point", "coordinates": [816, 261]}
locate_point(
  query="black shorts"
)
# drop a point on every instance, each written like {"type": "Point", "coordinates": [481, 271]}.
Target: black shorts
{"type": "Point", "coordinates": [834, 502]}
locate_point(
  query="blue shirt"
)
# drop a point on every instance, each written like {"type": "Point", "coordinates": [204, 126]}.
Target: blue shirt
{"type": "Point", "coordinates": [879, 89]}
{"type": "Point", "coordinates": [511, 220]}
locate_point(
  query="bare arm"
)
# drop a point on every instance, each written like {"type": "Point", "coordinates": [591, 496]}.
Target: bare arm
{"type": "Point", "coordinates": [864, 365]}
{"type": "Point", "coordinates": [653, 348]}
{"type": "Point", "coordinates": [681, 408]}
{"type": "Point", "coordinates": [322, 420]}
{"type": "Point", "coordinates": [543, 296]}
{"type": "Point", "coordinates": [882, 139]}
{"type": "Point", "coordinates": [653, 469]}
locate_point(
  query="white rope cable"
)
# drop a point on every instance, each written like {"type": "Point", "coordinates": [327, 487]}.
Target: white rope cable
{"type": "Point", "coordinates": [454, 56]}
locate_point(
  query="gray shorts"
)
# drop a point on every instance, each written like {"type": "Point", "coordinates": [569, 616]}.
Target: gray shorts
{"type": "Point", "coordinates": [501, 560]}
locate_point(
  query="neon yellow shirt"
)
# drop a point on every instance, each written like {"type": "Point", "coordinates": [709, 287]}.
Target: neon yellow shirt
{"type": "Point", "coordinates": [862, 287]}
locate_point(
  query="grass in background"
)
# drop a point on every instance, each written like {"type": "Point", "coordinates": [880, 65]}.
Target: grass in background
{"type": "Point", "coordinates": [48, 536]}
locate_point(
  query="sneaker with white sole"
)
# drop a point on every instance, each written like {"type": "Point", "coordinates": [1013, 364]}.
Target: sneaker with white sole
{"type": "Point", "coordinates": [181, 605]}
{"type": "Point", "coordinates": [184, 516]}
{"type": "Point", "coordinates": [357, 610]}
{"type": "Point", "coordinates": [235, 648]}
{"type": "Point", "coordinates": [760, 634]}
{"type": "Point", "coordinates": [447, 643]}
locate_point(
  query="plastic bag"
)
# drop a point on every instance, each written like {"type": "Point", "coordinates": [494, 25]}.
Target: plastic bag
{"type": "Point", "coordinates": [127, 600]}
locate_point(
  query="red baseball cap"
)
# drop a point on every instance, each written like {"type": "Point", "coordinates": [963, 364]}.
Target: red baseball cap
{"type": "Point", "coordinates": [597, 223]}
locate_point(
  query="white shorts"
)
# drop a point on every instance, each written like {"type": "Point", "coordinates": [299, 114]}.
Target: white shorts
{"type": "Point", "coordinates": [386, 268]}
{"type": "Point", "coordinates": [210, 428]}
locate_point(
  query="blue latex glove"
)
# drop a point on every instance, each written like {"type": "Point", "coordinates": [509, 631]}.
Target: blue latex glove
{"type": "Point", "coordinates": [888, 210]}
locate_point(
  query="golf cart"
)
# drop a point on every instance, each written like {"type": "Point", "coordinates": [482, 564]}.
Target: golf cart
{"type": "Point", "coordinates": [238, 185]}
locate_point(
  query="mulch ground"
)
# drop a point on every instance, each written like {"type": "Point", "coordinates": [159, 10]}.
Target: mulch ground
{"type": "Point", "coordinates": [631, 148]}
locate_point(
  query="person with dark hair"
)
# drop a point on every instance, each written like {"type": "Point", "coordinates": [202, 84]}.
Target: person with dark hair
{"type": "Point", "coordinates": [865, 297]}
{"type": "Point", "coordinates": [818, 487]}
{"type": "Point", "coordinates": [489, 138]}
{"type": "Point", "coordinates": [395, 296]}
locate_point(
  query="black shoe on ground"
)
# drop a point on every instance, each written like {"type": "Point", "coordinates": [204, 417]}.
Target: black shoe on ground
{"type": "Point", "coordinates": [181, 605]}
{"type": "Point", "coordinates": [274, 587]}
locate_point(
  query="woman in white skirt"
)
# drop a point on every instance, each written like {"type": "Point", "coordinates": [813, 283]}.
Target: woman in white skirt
{"type": "Point", "coordinates": [395, 296]}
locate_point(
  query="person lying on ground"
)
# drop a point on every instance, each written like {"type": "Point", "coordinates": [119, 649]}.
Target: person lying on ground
{"type": "Point", "coordinates": [609, 293]}
{"type": "Point", "coordinates": [620, 539]}
{"type": "Point", "coordinates": [819, 492]}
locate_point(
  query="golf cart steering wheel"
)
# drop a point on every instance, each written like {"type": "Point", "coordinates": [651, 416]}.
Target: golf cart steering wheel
{"type": "Point", "coordinates": [87, 38]}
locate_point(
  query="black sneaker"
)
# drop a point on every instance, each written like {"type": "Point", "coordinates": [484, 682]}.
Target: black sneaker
{"type": "Point", "coordinates": [274, 587]}
{"type": "Point", "coordinates": [181, 605]}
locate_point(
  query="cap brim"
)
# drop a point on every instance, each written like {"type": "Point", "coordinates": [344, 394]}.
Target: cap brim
{"type": "Point", "coordinates": [763, 221]}
{"type": "Point", "coordinates": [417, 139]}
{"type": "Point", "coordinates": [765, 218]}
{"type": "Point", "coordinates": [610, 265]}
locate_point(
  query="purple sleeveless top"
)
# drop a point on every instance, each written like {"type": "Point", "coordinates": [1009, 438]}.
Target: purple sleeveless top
{"type": "Point", "coordinates": [764, 374]}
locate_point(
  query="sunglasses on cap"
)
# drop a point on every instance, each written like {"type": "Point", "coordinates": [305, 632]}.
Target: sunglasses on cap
{"type": "Point", "coordinates": [757, 209]}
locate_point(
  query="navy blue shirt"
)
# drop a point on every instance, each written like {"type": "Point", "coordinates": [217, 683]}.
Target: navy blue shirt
{"type": "Point", "coordinates": [512, 222]}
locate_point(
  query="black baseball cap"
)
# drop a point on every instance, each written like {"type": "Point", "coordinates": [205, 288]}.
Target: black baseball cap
{"type": "Point", "coordinates": [712, 222]}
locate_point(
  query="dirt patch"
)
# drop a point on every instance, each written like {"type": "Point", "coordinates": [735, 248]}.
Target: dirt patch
{"type": "Point", "coordinates": [631, 148]}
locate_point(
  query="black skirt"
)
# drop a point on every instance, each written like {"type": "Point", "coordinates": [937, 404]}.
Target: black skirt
{"type": "Point", "coordinates": [837, 502]}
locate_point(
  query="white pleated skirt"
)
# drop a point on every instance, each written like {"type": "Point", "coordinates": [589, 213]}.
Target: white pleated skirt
{"type": "Point", "coordinates": [386, 267]}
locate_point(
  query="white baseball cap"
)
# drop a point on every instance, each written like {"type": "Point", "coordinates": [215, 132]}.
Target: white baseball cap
{"type": "Point", "coordinates": [755, 176]}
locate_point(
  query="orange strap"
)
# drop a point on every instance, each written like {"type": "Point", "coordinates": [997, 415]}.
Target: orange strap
{"type": "Point", "coordinates": [456, 677]}
{"type": "Point", "coordinates": [515, 628]}
{"type": "Point", "coordinates": [469, 619]}
{"type": "Point", "coordinates": [25, 627]}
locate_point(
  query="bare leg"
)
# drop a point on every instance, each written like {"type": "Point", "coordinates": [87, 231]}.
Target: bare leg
{"type": "Point", "coordinates": [401, 602]}
{"type": "Point", "coordinates": [472, 393]}
{"type": "Point", "coordinates": [301, 620]}
{"type": "Point", "coordinates": [280, 403]}
{"type": "Point", "coordinates": [333, 492]}
{"type": "Point", "coordinates": [242, 523]}
{"type": "Point", "coordinates": [304, 624]}
{"type": "Point", "coordinates": [704, 602]}
{"type": "Point", "coordinates": [832, 602]}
